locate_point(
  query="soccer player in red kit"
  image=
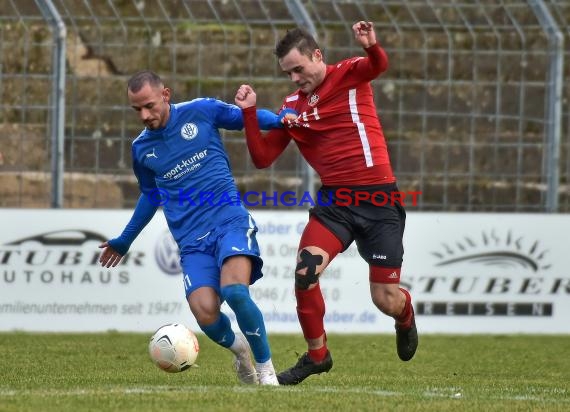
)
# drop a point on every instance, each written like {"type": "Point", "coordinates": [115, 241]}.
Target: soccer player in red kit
{"type": "Point", "coordinates": [338, 132]}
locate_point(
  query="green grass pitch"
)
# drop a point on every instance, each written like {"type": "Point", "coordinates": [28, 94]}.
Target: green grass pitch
{"type": "Point", "coordinates": [112, 372]}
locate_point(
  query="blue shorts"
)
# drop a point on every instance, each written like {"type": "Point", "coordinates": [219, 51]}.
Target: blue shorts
{"type": "Point", "coordinates": [202, 262]}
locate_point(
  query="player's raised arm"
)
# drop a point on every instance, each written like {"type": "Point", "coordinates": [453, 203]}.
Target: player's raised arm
{"type": "Point", "coordinates": [264, 149]}
{"type": "Point", "coordinates": [364, 33]}
{"type": "Point", "coordinates": [377, 61]}
{"type": "Point", "coordinates": [245, 97]}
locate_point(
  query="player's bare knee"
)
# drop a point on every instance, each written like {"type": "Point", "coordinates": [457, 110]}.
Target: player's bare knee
{"type": "Point", "coordinates": [308, 269]}
{"type": "Point", "coordinates": [387, 308]}
{"type": "Point", "coordinates": [387, 299]}
{"type": "Point", "coordinates": [205, 318]}
{"type": "Point", "coordinates": [206, 311]}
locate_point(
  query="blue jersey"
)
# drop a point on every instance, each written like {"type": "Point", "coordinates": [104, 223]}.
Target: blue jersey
{"type": "Point", "coordinates": [184, 167]}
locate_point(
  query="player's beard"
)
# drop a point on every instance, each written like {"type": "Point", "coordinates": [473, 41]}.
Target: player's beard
{"type": "Point", "coordinates": [149, 124]}
{"type": "Point", "coordinates": [306, 87]}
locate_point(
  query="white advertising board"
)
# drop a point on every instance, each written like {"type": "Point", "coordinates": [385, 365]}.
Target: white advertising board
{"type": "Point", "coordinates": [468, 273]}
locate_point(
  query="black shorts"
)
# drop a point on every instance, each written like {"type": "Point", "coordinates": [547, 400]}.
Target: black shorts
{"type": "Point", "coordinates": [376, 224]}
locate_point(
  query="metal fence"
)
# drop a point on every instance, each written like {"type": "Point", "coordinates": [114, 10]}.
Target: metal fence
{"type": "Point", "coordinates": [474, 105]}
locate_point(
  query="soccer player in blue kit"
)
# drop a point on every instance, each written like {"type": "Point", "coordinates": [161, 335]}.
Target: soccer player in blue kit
{"type": "Point", "coordinates": [181, 164]}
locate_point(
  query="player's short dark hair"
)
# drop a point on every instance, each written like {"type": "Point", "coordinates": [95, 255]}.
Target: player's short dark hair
{"type": "Point", "coordinates": [298, 38]}
{"type": "Point", "coordinates": [138, 80]}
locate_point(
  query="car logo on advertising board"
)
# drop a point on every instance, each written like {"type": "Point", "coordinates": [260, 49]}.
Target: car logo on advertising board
{"type": "Point", "coordinates": [167, 254]}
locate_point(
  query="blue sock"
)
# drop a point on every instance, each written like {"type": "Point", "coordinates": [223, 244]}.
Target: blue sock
{"type": "Point", "coordinates": [220, 331]}
{"type": "Point", "coordinates": [249, 319]}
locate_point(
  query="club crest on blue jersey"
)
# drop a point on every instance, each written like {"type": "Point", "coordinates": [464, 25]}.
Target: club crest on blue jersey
{"type": "Point", "coordinates": [189, 131]}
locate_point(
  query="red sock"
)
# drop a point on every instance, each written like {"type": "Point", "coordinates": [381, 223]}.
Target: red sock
{"type": "Point", "coordinates": [318, 355]}
{"type": "Point", "coordinates": [404, 320]}
{"type": "Point", "coordinates": [311, 313]}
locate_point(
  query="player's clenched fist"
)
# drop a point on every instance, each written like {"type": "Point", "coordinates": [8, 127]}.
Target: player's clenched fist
{"type": "Point", "coordinates": [245, 96]}
{"type": "Point", "coordinates": [364, 33]}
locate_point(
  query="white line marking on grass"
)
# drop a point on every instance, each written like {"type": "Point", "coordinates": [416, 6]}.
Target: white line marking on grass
{"type": "Point", "coordinates": [445, 392]}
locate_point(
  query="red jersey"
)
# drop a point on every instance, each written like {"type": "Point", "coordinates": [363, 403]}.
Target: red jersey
{"type": "Point", "coordinates": [337, 131]}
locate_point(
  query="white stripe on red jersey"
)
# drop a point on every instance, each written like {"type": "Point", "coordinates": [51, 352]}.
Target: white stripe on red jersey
{"type": "Point", "coordinates": [360, 126]}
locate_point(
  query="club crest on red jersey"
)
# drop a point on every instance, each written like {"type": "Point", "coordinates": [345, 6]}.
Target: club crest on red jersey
{"type": "Point", "coordinates": [313, 100]}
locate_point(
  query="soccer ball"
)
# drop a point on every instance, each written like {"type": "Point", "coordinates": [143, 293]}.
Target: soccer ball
{"type": "Point", "coordinates": [173, 348]}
